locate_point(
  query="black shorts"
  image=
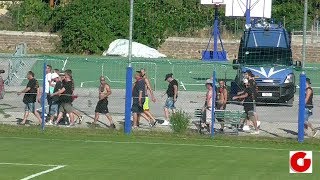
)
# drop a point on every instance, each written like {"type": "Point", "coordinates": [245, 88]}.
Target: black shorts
{"type": "Point", "coordinates": [220, 107]}
{"type": "Point", "coordinates": [136, 108]}
{"type": "Point", "coordinates": [102, 106]}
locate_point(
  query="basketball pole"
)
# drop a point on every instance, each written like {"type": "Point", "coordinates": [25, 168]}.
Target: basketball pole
{"type": "Point", "coordinates": [248, 12]}
{"type": "Point", "coordinates": [127, 124]}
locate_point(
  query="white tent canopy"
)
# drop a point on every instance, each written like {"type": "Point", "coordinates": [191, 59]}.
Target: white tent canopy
{"type": "Point", "coordinates": [120, 47]}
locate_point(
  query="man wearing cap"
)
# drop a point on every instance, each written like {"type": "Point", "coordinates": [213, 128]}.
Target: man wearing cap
{"type": "Point", "coordinates": [54, 98]}
{"type": "Point", "coordinates": [138, 98]}
{"type": "Point", "coordinates": [172, 95]}
{"type": "Point", "coordinates": [248, 104]}
{"type": "Point", "coordinates": [309, 107]}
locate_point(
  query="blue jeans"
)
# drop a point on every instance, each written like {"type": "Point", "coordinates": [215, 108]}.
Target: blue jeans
{"type": "Point", "coordinates": [307, 114]}
{"type": "Point", "coordinates": [30, 107]}
{"type": "Point", "coordinates": [54, 109]}
{"type": "Point", "coordinates": [169, 103]}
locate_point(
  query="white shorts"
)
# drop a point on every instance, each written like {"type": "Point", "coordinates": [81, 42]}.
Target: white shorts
{"type": "Point", "coordinates": [208, 115]}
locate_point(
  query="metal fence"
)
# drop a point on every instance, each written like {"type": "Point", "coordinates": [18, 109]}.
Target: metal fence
{"type": "Point", "coordinates": [278, 119]}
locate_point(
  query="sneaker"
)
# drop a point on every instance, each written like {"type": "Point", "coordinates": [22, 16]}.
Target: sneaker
{"type": "Point", "coordinates": [71, 125]}
{"type": "Point", "coordinates": [49, 123]}
{"type": "Point", "coordinates": [112, 126]}
{"type": "Point", "coordinates": [258, 124]}
{"type": "Point", "coordinates": [315, 132]}
{"type": "Point", "coordinates": [246, 128]}
{"type": "Point", "coordinates": [80, 119]}
{"type": "Point", "coordinates": [150, 124]}
{"type": "Point", "coordinates": [165, 123]}
{"type": "Point", "coordinates": [255, 132]}
{"type": "Point", "coordinates": [153, 124]}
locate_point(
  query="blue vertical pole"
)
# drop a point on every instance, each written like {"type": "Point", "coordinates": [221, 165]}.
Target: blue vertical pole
{"type": "Point", "coordinates": [43, 97]}
{"type": "Point", "coordinates": [248, 5]}
{"type": "Point", "coordinates": [213, 103]}
{"type": "Point", "coordinates": [215, 30]}
{"type": "Point", "coordinates": [302, 105]}
{"type": "Point", "coordinates": [127, 122]}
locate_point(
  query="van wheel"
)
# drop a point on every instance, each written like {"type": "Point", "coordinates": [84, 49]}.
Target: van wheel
{"type": "Point", "coordinates": [289, 103]}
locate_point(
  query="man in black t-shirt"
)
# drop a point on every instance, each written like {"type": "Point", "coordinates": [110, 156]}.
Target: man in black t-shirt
{"type": "Point", "coordinates": [248, 105]}
{"type": "Point", "coordinates": [172, 93]}
{"type": "Point", "coordinates": [65, 99]}
{"type": "Point", "coordinates": [308, 108]}
{"type": "Point", "coordinates": [138, 98]}
{"type": "Point", "coordinates": [253, 85]}
{"type": "Point", "coordinates": [30, 97]}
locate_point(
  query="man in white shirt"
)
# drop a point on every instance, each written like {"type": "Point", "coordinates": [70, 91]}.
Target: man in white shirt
{"type": "Point", "coordinates": [48, 84]}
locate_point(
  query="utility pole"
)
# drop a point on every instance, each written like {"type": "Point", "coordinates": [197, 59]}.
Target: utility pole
{"type": "Point", "coordinates": [305, 18]}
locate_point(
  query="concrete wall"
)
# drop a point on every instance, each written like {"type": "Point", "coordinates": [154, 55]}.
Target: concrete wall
{"type": "Point", "coordinates": [37, 42]}
{"type": "Point", "coordinates": [180, 47]}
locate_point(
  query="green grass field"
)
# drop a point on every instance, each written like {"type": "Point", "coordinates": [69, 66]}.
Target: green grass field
{"type": "Point", "coordinates": [102, 154]}
{"type": "Point", "coordinates": [190, 73]}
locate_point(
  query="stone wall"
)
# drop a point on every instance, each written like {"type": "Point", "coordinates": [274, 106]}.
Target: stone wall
{"type": "Point", "coordinates": [175, 47]}
{"type": "Point", "coordinates": [37, 42]}
{"type": "Point", "coordinates": [190, 48]}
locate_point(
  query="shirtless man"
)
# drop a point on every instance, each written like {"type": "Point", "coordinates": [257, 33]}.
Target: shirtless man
{"type": "Point", "coordinates": [102, 105]}
{"type": "Point", "coordinates": [221, 103]}
{"type": "Point", "coordinates": [149, 93]}
{"type": "Point", "coordinates": [208, 105]}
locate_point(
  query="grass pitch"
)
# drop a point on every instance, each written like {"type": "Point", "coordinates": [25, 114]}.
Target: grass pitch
{"type": "Point", "coordinates": [102, 154]}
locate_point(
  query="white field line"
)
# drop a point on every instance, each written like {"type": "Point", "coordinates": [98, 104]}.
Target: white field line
{"type": "Point", "coordinates": [155, 143]}
{"type": "Point", "coordinates": [42, 172]}
{"type": "Point", "coordinates": [54, 167]}
{"type": "Point", "coordinates": [114, 81]}
{"type": "Point", "coordinates": [64, 64]}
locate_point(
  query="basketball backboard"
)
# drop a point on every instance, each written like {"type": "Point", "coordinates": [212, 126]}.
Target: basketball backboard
{"type": "Point", "coordinates": [258, 8]}
{"type": "Point", "coordinates": [212, 2]}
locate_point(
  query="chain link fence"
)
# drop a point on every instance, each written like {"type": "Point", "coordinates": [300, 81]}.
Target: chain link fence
{"type": "Point", "coordinates": [278, 119]}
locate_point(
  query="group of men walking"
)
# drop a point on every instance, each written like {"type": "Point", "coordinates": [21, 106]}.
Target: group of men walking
{"type": "Point", "coordinates": [60, 95]}
{"type": "Point", "coordinates": [141, 92]}
{"type": "Point", "coordinates": [59, 88]}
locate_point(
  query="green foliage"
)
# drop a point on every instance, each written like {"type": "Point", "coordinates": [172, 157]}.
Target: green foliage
{"type": "Point", "coordinates": [31, 15]}
{"type": "Point", "coordinates": [88, 26]}
{"type": "Point", "coordinates": [179, 122]}
{"type": "Point", "coordinates": [93, 29]}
